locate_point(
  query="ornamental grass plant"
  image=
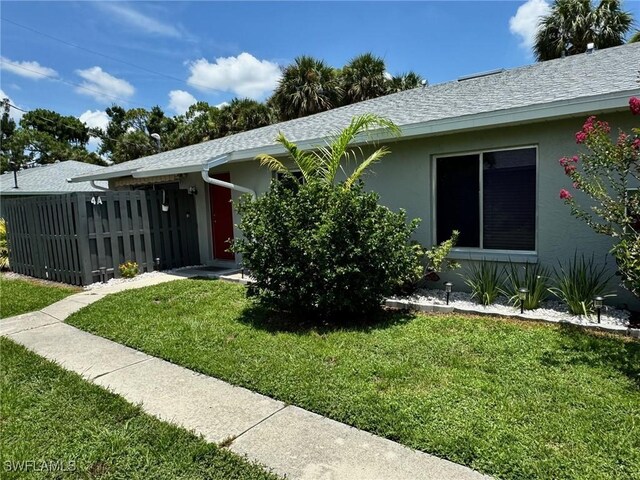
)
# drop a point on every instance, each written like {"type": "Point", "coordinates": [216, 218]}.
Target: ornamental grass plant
{"type": "Point", "coordinates": [485, 280]}
{"type": "Point", "coordinates": [579, 281]}
{"type": "Point", "coordinates": [532, 276]}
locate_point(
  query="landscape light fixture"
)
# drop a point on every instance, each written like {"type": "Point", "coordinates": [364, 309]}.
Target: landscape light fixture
{"type": "Point", "coordinates": [522, 295]}
{"type": "Point", "coordinates": [103, 274]}
{"type": "Point", "coordinates": [157, 263]}
{"type": "Point", "coordinates": [447, 288]}
{"type": "Point", "coordinates": [597, 303]}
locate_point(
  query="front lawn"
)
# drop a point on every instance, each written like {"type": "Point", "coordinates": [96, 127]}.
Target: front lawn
{"type": "Point", "coordinates": [508, 398]}
{"type": "Point", "coordinates": [56, 420]}
{"type": "Point", "coordinates": [22, 296]}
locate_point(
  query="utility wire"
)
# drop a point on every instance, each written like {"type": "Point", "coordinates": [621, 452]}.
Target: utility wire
{"type": "Point", "coordinates": [109, 57]}
{"type": "Point", "coordinates": [16, 65]}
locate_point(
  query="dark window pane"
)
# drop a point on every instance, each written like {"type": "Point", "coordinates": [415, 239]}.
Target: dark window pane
{"type": "Point", "coordinates": [509, 199]}
{"type": "Point", "coordinates": [457, 199]}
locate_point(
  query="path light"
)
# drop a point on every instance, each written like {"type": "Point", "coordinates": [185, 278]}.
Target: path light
{"type": "Point", "coordinates": [522, 295]}
{"type": "Point", "coordinates": [103, 274]}
{"type": "Point", "coordinates": [157, 263]}
{"type": "Point", "coordinates": [597, 303]}
{"type": "Point", "coordinates": [447, 288]}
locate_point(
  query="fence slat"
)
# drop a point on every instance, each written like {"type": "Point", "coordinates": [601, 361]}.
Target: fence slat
{"type": "Point", "coordinates": [126, 229]}
{"type": "Point", "coordinates": [136, 228]}
{"type": "Point", "coordinates": [148, 249]}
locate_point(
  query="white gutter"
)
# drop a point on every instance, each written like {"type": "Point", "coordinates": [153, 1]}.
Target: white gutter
{"type": "Point", "coordinates": [214, 162]}
{"type": "Point", "coordinates": [97, 187]}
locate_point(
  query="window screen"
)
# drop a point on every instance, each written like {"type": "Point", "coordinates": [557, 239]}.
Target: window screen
{"type": "Point", "coordinates": [509, 199]}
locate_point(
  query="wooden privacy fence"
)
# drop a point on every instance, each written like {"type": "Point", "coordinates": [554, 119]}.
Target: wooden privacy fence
{"type": "Point", "coordinates": [82, 238]}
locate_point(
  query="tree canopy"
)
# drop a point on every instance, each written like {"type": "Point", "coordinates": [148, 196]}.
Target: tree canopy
{"type": "Point", "coordinates": [572, 24]}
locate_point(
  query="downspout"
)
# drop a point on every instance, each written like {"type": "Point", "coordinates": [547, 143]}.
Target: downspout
{"type": "Point", "coordinates": [214, 181]}
{"type": "Point", "coordinates": [97, 187]}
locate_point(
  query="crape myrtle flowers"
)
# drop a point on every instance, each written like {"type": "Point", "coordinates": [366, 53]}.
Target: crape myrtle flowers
{"type": "Point", "coordinates": [594, 134]}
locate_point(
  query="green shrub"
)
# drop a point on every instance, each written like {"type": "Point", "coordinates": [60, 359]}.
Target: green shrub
{"type": "Point", "coordinates": [317, 248]}
{"type": "Point", "coordinates": [431, 262]}
{"type": "Point", "coordinates": [128, 269]}
{"type": "Point", "coordinates": [627, 254]}
{"type": "Point", "coordinates": [4, 245]}
{"type": "Point", "coordinates": [485, 281]}
{"type": "Point", "coordinates": [532, 276]}
{"type": "Point", "coordinates": [577, 283]}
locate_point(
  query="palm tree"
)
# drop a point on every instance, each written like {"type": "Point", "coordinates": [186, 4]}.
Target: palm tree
{"type": "Point", "coordinates": [324, 163]}
{"type": "Point", "coordinates": [363, 78]}
{"type": "Point", "coordinates": [404, 81]}
{"type": "Point", "coordinates": [243, 114]}
{"type": "Point", "coordinates": [573, 24]}
{"type": "Point", "coordinates": [635, 37]}
{"type": "Point", "coordinates": [307, 86]}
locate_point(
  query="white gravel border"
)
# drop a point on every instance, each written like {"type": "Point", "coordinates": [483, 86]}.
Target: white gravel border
{"type": "Point", "coordinates": [612, 319]}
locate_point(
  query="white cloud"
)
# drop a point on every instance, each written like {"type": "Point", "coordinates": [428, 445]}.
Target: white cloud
{"type": "Point", "coordinates": [244, 75]}
{"type": "Point", "coordinates": [180, 101]}
{"type": "Point", "coordinates": [139, 20]}
{"type": "Point", "coordinates": [31, 70]}
{"type": "Point", "coordinates": [222, 104]}
{"type": "Point", "coordinates": [525, 22]}
{"type": "Point", "coordinates": [95, 119]}
{"type": "Point", "coordinates": [16, 115]}
{"type": "Point", "coordinates": [102, 86]}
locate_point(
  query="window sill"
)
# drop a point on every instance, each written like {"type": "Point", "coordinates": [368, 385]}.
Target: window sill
{"type": "Point", "coordinates": [493, 255]}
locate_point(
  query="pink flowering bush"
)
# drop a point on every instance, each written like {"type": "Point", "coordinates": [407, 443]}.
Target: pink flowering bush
{"type": "Point", "coordinates": [607, 176]}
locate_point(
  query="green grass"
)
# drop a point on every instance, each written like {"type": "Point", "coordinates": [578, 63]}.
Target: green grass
{"type": "Point", "coordinates": [51, 415]}
{"type": "Point", "coordinates": [22, 296]}
{"type": "Point", "coordinates": [513, 399]}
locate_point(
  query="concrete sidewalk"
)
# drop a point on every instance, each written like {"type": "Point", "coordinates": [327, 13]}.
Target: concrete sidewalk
{"type": "Point", "coordinates": [289, 440]}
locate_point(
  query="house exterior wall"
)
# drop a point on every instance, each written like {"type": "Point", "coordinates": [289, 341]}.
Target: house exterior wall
{"type": "Point", "coordinates": [405, 179]}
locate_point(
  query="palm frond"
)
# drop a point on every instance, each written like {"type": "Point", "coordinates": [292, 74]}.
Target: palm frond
{"type": "Point", "coordinates": [272, 163]}
{"type": "Point", "coordinates": [375, 157]}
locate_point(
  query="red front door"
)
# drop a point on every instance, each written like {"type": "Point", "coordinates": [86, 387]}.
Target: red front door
{"type": "Point", "coordinates": [221, 218]}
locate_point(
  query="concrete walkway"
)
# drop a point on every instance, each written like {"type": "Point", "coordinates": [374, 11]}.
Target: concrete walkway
{"type": "Point", "coordinates": [287, 439]}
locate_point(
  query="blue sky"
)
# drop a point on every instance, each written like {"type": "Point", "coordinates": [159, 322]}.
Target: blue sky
{"type": "Point", "coordinates": [215, 51]}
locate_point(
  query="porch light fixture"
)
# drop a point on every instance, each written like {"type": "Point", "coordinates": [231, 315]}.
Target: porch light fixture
{"type": "Point", "coordinates": [522, 295]}
{"type": "Point", "coordinates": [597, 303]}
{"type": "Point", "coordinates": [193, 190]}
{"type": "Point", "coordinates": [448, 286]}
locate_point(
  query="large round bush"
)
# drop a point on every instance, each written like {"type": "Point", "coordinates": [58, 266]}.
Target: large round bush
{"type": "Point", "coordinates": [323, 249]}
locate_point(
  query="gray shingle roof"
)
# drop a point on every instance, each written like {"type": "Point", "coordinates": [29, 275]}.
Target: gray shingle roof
{"type": "Point", "coordinates": [49, 179]}
{"type": "Point", "coordinates": [576, 77]}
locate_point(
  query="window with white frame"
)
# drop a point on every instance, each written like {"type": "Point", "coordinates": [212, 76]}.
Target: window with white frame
{"type": "Point", "coordinates": [489, 197]}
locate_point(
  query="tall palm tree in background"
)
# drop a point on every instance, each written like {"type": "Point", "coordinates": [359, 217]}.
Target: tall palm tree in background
{"type": "Point", "coordinates": [242, 115]}
{"type": "Point", "coordinates": [404, 81]}
{"type": "Point", "coordinates": [307, 86]}
{"type": "Point", "coordinates": [363, 78]}
{"type": "Point", "coordinates": [572, 24]}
